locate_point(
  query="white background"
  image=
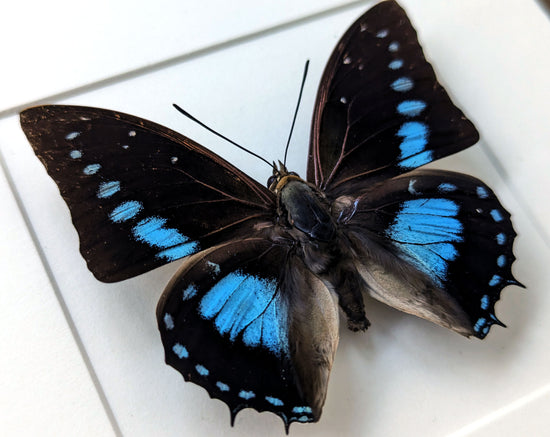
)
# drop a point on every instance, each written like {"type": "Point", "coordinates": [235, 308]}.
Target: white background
{"type": "Point", "coordinates": [79, 357]}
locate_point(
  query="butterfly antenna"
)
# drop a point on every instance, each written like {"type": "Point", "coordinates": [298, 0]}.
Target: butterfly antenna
{"type": "Point", "coordinates": [296, 111]}
{"type": "Point", "coordinates": [184, 112]}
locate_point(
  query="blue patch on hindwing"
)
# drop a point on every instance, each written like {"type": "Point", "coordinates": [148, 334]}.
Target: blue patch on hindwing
{"type": "Point", "coordinates": [247, 305]}
{"type": "Point", "coordinates": [427, 230]}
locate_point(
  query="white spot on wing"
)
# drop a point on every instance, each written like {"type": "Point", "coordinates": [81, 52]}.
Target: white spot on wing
{"type": "Point", "coordinates": [72, 135]}
{"type": "Point", "coordinates": [411, 187]}
{"type": "Point", "coordinates": [91, 169]}
{"type": "Point", "coordinates": [214, 268]}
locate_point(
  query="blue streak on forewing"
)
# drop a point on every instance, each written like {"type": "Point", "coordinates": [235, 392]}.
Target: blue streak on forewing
{"type": "Point", "coordinates": [396, 64]}
{"type": "Point", "coordinates": [411, 108]}
{"type": "Point", "coordinates": [152, 231]}
{"type": "Point", "coordinates": [125, 211]}
{"type": "Point", "coordinates": [403, 84]}
{"type": "Point", "coordinates": [72, 135]}
{"type": "Point", "coordinates": [417, 160]}
{"type": "Point", "coordinates": [91, 169]}
{"type": "Point", "coordinates": [425, 229]}
{"type": "Point", "coordinates": [107, 189]}
{"type": "Point", "coordinates": [178, 252]}
{"type": "Point", "coordinates": [415, 139]}
{"type": "Point", "coordinates": [393, 47]}
{"type": "Point", "coordinates": [241, 303]}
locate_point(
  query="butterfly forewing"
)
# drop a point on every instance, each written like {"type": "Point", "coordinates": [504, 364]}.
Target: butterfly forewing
{"type": "Point", "coordinates": [140, 195]}
{"type": "Point", "coordinates": [243, 321]}
{"type": "Point", "coordinates": [450, 239]}
{"type": "Point", "coordinates": [380, 110]}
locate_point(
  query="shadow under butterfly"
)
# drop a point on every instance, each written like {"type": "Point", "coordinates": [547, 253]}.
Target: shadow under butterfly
{"type": "Point", "coordinates": [252, 314]}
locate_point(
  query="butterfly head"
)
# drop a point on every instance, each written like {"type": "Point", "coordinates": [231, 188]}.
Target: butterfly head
{"type": "Point", "coordinates": [280, 177]}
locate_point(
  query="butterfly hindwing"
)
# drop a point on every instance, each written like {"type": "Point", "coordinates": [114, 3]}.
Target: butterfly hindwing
{"type": "Point", "coordinates": [140, 195]}
{"type": "Point", "coordinates": [444, 247]}
{"type": "Point", "coordinates": [246, 321]}
{"type": "Point", "coordinates": [380, 110]}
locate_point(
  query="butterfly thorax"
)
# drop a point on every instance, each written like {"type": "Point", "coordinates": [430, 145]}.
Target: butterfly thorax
{"type": "Point", "coordinates": [306, 210]}
{"type": "Point", "coordinates": [301, 205]}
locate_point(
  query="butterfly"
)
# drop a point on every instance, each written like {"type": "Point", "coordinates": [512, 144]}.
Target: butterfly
{"type": "Point", "coordinates": [252, 315]}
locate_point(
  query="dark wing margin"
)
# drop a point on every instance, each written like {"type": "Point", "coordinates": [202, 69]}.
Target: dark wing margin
{"type": "Point", "coordinates": [140, 194]}
{"type": "Point", "coordinates": [380, 110]}
{"type": "Point", "coordinates": [249, 323]}
{"type": "Point", "coordinates": [444, 247]}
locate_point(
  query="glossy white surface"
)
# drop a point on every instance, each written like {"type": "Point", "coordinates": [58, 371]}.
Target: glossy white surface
{"type": "Point", "coordinates": [404, 376]}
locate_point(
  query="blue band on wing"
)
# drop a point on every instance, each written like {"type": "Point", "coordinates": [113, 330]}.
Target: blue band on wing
{"type": "Point", "coordinates": [415, 139]}
{"type": "Point", "coordinates": [425, 229]}
{"type": "Point", "coordinates": [244, 304]}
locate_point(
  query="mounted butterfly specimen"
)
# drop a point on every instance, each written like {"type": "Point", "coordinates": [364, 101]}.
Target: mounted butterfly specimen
{"type": "Point", "coordinates": [252, 314]}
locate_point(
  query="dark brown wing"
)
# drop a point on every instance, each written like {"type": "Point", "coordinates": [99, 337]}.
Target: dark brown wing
{"type": "Point", "coordinates": [380, 110]}
{"type": "Point", "coordinates": [141, 195]}
{"type": "Point", "coordinates": [249, 323]}
{"type": "Point", "coordinates": [444, 247]}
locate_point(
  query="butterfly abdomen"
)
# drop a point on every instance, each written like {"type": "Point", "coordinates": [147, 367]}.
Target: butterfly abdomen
{"type": "Point", "coordinates": [308, 214]}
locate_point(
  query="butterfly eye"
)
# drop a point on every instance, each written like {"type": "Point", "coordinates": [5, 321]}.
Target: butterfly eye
{"type": "Point", "coordinates": [271, 181]}
{"type": "Point", "coordinates": [293, 173]}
